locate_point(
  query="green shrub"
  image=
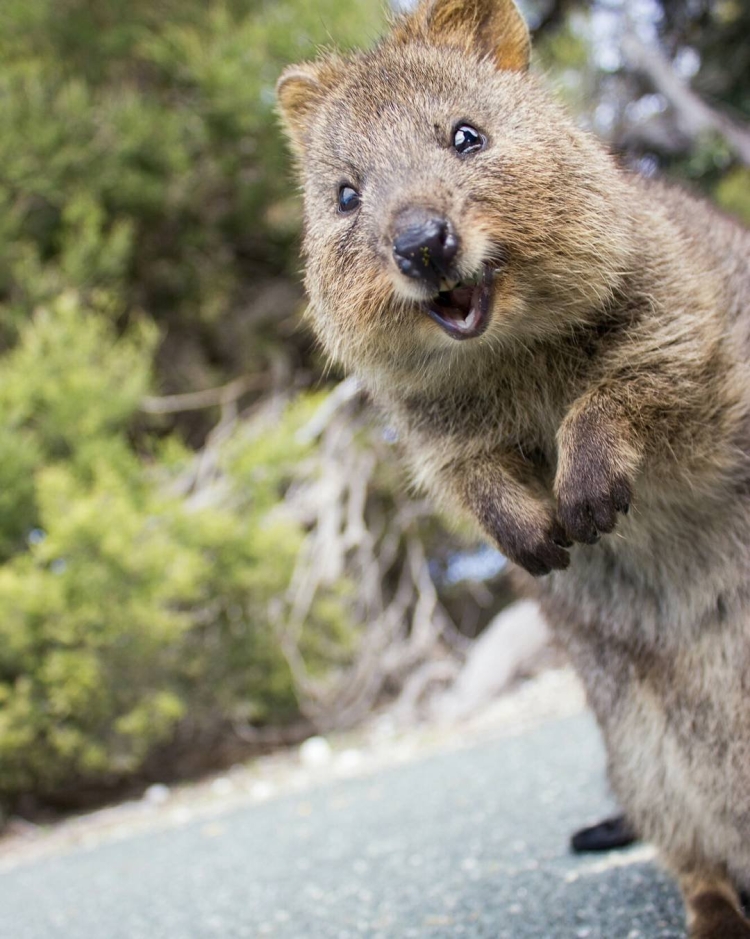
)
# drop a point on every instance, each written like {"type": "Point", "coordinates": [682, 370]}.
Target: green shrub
{"type": "Point", "coordinates": [141, 154]}
{"type": "Point", "coordinates": [130, 606]}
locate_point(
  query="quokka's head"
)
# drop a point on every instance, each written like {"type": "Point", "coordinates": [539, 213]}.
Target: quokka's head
{"type": "Point", "coordinates": [448, 201]}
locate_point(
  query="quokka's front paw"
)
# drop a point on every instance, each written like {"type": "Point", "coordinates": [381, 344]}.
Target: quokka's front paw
{"type": "Point", "coordinates": [590, 494]}
{"type": "Point", "coordinates": [588, 511]}
{"type": "Point", "coordinates": [520, 520]}
{"type": "Point", "coordinates": [596, 464]}
{"type": "Point", "coordinates": [538, 547]}
{"type": "Point", "coordinates": [544, 553]}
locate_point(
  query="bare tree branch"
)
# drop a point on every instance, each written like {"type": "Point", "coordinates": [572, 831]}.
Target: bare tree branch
{"type": "Point", "coordinates": [694, 116]}
{"type": "Point", "coordinates": [210, 397]}
{"type": "Point", "coordinates": [403, 624]}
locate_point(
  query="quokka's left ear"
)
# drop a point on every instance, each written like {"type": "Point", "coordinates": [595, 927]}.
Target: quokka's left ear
{"type": "Point", "coordinates": [494, 28]}
{"type": "Point", "coordinates": [299, 92]}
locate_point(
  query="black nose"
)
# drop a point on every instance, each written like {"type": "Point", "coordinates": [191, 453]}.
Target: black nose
{"type": "Point", "coordinates": [424, 246]}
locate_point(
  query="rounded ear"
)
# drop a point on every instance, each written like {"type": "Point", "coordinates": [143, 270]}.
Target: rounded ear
{"type": "Point", "coordinates": [299, 91]}
{"type": "Point", "coordinates": [493, 28]}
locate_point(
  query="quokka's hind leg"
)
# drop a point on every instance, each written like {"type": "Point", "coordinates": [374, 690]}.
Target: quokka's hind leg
{"type": "Point", "coordinates": [713, 908]}
{"type": "Point", "coordinates": [606, 835]}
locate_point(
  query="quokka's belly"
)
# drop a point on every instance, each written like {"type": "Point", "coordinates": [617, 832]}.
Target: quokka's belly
{"type": "Point", "coordinates": [684, 777]}
{"type": "Point", "coordinates": [666, 668]}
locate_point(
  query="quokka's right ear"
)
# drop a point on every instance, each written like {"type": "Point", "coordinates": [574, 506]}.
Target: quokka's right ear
{"type": "Point", "coordinates": [299, 91]}
{"type": "Point", "coordinates": [493, 28]}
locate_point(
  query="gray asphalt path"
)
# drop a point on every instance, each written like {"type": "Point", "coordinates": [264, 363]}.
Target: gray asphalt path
{"type": "Point", "coordinates": [469, 843]}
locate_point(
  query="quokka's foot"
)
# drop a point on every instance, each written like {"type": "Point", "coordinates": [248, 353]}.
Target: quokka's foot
{"type": "Point", "coordinates": [607, 835]}
{"type": "Point", "coordinates": [714, 913]}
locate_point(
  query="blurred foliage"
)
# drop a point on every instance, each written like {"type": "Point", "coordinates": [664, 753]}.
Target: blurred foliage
{"type": "Point", "coordinates": [128, 605]}
{"type": "Point", "coordinates": [144, 200]}
{"type": "Point", "coordinates": [705, 42]}
{"type": "Point", "coordinates": [141, 156]}
{"type": "Point", "coordinates": [733, 192]}
{"type": "Point", "coordinates": [719, 31]}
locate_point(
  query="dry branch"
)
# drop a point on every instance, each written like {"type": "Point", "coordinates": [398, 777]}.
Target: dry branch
{"type": "Point", "coordinates": [358, 532]}
{"type": "Point", "coordinates": [210, 397]}
{"type": "Point", "coordinates": [694, 117]}
{"type": "Point", "coordinates": [402, 622]}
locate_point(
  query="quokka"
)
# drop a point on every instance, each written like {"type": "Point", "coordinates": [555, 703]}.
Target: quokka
{"type": "Point", "coordinates": [563, 348]}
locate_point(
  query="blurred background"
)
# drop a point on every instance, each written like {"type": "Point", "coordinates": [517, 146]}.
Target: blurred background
{"type": "Point", "coordinates": [207, 545]}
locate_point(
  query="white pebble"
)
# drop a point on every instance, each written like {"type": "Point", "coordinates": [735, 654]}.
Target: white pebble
{"type": "Point", "coordinates": [349, 761]}
{"type": "Point", "coordinates": [222, 786]}
{"type": "Point", "coordinates": [315, 752]}
{"type": "Point", "coordinates": [261, 790]}
{"type": "Point", "coordinates": [156, 794]}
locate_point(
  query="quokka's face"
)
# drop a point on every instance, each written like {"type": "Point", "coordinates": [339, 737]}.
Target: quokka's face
{"type": "Point", "coordinates": [431, 186]}
{"type": "Point", "coordinates": [402, 225]}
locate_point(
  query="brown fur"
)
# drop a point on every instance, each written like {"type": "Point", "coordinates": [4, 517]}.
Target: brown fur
{"type": "Point", "coordinates": [613, 371]}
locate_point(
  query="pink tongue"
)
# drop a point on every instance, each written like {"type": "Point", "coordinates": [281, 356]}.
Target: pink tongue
{"type": "Point", "coordinates": [457, 303]}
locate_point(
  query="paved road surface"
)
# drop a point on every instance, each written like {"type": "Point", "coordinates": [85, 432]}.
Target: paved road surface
{"type": "Point", "coordinates": [469, 843]}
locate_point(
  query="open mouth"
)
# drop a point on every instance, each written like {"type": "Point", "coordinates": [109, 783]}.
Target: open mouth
{"type": "Point", "coordinates": [463, 312]}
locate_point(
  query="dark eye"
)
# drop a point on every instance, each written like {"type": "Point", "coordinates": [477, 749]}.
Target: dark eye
{"type": "Point", "coordinates": [348, 199]}
{"type": "Point", "coordinates": [467, 139]}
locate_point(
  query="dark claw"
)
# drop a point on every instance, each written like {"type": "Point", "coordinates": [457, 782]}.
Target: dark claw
{"type": "Point", "coordinates": [560, 537]}
{"type": "Point", "coordinates": [621, 496]}
{"type": "Point", "coordinates": [578, 522]}
{"type": "Point", "coordinates": [563, 542]}
{"type": "Point", "coordinates": [535, 567]}
{"type": "Point", "coordinates": [586, 519]}
{"type": "Point", "coordinates": [604, 515]}
{"type": "Point", "coordinates": [611, 833]}
{"type": "Point", "coordinates": [543, 558]}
